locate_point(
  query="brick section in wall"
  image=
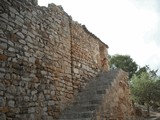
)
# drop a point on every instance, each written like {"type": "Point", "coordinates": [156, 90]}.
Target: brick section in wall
{"type": "Point", "coordinates": [86, 55]}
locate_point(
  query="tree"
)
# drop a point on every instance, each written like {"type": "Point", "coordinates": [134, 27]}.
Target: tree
{"type": "Point", "coordinates": [145, 89]}
{"type": "Point", "coordinates": [125, 62]}
{"type": "Point", "coordinates": [146, 68]}
{"type": "Point", "coordinates": [142, 69]}
{"type": "Point", "coordinates": [156, 91]}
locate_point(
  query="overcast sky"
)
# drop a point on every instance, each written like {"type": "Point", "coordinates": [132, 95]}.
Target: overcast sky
{"type": "Point", "coordinates": [129, 27]}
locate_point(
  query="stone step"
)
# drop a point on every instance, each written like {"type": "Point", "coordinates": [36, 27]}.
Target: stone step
{"type": "Point", "coordinates": [87, 101]}
{"type": "Point", "coordinates": [82, 108]}
{"type": "Point", "coordinates": [98, 83]}
{"type": "Point", "coordinates": [93, 92]}
{"type": "Point", "coordinates": [99, 91]}
{"type": "Point", "coordinates": [80, 115]}
{"type": "Point", "coordinates": [76, 119]}
{"type": "Point", "coordinates": [89, 97]}
{"type": "Point", "coordinates": [95, 88]}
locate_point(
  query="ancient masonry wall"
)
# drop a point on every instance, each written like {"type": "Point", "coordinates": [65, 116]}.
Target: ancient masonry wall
{"type": "Point", "coordinates": [116, 104]}
{"type": "Point", "coordinates": [45, 58]}
{"type": "Point", "coordinates": [86, 58]}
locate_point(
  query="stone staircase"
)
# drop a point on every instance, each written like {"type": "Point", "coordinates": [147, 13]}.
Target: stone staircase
{"type": "Point", "coordinates": [88, 101]}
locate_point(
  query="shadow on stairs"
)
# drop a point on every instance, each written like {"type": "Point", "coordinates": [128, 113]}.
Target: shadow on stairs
{"type": "Point", "coordinates": [91, 103]}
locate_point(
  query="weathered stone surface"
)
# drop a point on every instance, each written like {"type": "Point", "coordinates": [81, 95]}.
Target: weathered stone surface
{"type": "Point", "coordinates": [76, 70]}
{"type": "Point", "coordinates": [3, 57]}
{"type": "Point", "coordinates": [2, 116]}
{"type": "Point", "coordinates": [22, 41]}
{"type": "Point", "coordinates": [3, 45]}
{"type": "Point", "coordinates": [2, 75]}
{"type": "Point", "coordinates": [2, 102]}
{"type": "Point", "coordinates": [2, 87]}
{"type": "Point", "coordinates": [51, 103]}
{"type": "Point", "coordinates": [105, 98]}
{"type": "Point", "coordinates": [11, 49]}
{"type": "Point", "coordinates": [11, 103]}
{"type": "Point", "coordinates": [2, 70]}
{"type": "Point", "coordinates": [32, 59]}
{"type": "Point", "coordinates": [9, 28]}
{"type": "Point", "coordinates": [32, 110]}
{"type": "Point", "coordinates": [11, 89]}
{"type": "Point", "coordinates": [20, 35]}
{"type": "Point", "coordinates": [19, 19]}
{"type": "Point", "coordinates": [29, 39]}
{"type": "Point", "coordinates": [45, 59]}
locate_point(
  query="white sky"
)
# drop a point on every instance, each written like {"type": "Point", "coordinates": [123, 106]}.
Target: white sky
{"type": "Point", "coordinates": [128, 26]}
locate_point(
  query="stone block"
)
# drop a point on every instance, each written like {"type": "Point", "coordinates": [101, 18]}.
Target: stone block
{"type": "Point", "coordinates": [24, 31]}
{"type": "Point", "coordinates": [26, 98]}
{"type": "Point", "coordinates": [18, 23]}
{"type": "Point", "coordinates": [9, 28]}
{"type": "Point", "coordinates": [30, 45]}
{"type": "Point", "coordinates": [30, 34]}
{"type": "Point", "coordinates": [10, 43]}
{"type": "Point", "coordinates": [31, 110]}
{"type": "Point", "coordinates": [51, 102]}
{"type": "Point", "coordinates": [5, 16]}
{"type": "Point", "coordinates": [3, 116]}
{"type": "Point", "coordinates": [1, 32]}
{"type": "Point", "coordinates": [75, 70]}
{"type": "Point", "coordinates": [13, 10]}
{"type": "Point", "coordinates": [26, 48]}
{"type": "Point", "coordinates": [32, 59]}
{"type": "Point", "coordinates": [2, 87]}
{"type": "Point", "coordinates": [2, 102]}
{"type": "Point", "coordinates": [34, 98]}
{"type": "Point", "coordinates": [11, 89]}
{"type": "Point", "coordinates": [29, 39]}
{"type": "Point", "coordinates": [20, 35]}
{"type": "Point", "coordinates": [11, 103]}
{"type": "Point", "coordinates": [22, 42]}
{"type": "Point", "coordinates": [8, 76]}
{"type": "Point", "coordinates": [52, 93]}
{"type": "Point", "coordinates": [19, 19]}
{"type": "Point", "coordinates": [11, 49]}
{"type": "Point", "coordinates": [43, 72]}
{"type": "Point", "coordinates": [3, 46]}
{"type": "Point", "coordinates": [1, 93]}
{"type": "Point", "coordinates": [27, 54]}
{"type": "Point", "coordinates": [3, 57]}
{"type": "Point", "coordinates": [41, 97]}
{"type": "Point", "coordinates": [2, 70]}
{"type": "Point", "coordinates": [2, 75]}
{"type": "Point", "coordinates": [3, 25]}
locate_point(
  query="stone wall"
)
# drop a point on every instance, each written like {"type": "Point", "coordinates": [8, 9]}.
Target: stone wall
{"type": "Point", "coordinates": [45, 58]}
{"type": "Point", "coordinates": [117, 103]}
{"type": "Point", "coordinates": [86, 58]}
